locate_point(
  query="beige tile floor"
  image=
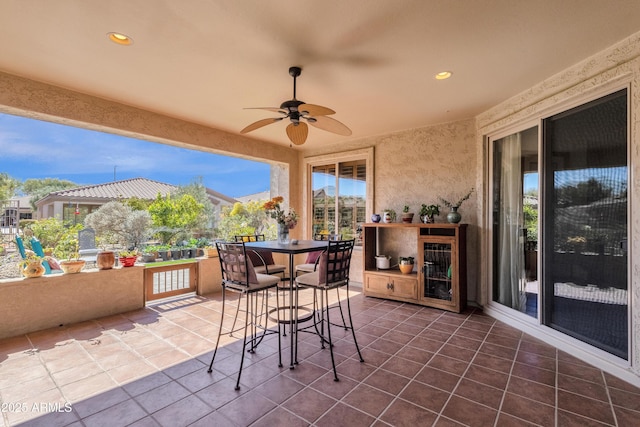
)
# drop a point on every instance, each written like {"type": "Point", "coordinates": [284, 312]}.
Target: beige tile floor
{"type": "Point", "coordinates": [422, 367]}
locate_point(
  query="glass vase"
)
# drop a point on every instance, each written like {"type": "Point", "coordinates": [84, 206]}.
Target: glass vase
{"type": "Point", "coordinates": [283, 234]}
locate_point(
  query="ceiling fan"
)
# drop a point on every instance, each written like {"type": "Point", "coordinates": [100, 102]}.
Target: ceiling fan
{"type": "Point", "coordinates": [298, 113]}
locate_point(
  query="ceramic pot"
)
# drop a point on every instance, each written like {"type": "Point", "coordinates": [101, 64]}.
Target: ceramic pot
{"type": "Point", "coordinates": [375, 218]}
{"type": "Point", "coordinates": [454, 216]}
{"type": "Point", "coordinates": [105, 260]}
{"type": "Point", "coordinates": [382, 262]}
{"type": "Point", "coordinates": [405, 268]}
{"type": "Point", "coordinates": [32, 268]}
{"type": "Point", "coordinates": [72, 267]}
{"type": "Point", "coordinates": [147, 257]}
{"type": "Point", "coordinates": [128, 261]}
{"type": "Point", "coordinates": [407, 218]}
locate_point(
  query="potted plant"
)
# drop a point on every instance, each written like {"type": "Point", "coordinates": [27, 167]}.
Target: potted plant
{"type": "Point", "coordinates": [127, 258]}
{"type": "Point", "coordinates": [454, 216]}
{"type": "Point", "coordinates": [388, 216]}
{"type": "Point", "coordinates": [176, 252]}
{"type": "Point", "coordinates": [427, 212]}
{"type": "Point", "coordinates": [407, 216]}
{"type": "Point", "coordinates": [405, 264]}
{"type": "Point", "coordinates": [71, 262]}
{"type": "Point", "coordinates": [164, 252]}
{"type": "Point", "coordinates": [149, 254]}
{"type": "Point", "coordinates": [32, 266]}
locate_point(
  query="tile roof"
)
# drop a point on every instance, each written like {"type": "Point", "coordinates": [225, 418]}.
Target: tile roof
{"type": "Point", "coordinates": [135, 187]}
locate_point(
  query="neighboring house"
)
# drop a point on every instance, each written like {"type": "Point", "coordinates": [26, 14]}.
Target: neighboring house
{"type": "Point", "coordinates": [14, 210]}
{"type": "Point", "coordinates": [256, 197]}
{"type": "Point", "coordinates": [76, 203]}
{"type": "Point", "coordinates": [219, 200]}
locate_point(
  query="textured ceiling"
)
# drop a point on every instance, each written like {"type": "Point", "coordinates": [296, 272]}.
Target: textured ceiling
{"type": "Point", "coordinates": [371, 61]}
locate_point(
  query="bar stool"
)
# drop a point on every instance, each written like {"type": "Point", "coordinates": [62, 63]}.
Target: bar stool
{"type": "Point", "coordinates": [239, 276]}
{"type": "Point", "coordinates": [332, 273]}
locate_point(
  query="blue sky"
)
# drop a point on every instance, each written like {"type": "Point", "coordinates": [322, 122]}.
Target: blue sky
{"type": "Point", "coordinates": [37, 149]}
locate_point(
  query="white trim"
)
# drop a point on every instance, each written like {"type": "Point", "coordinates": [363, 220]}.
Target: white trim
{"type": "Point", "coordinates": [598, 358]}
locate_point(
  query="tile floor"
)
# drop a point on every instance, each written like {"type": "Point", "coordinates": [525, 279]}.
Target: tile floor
{"type": "Point", "coordinates": [423, 367]}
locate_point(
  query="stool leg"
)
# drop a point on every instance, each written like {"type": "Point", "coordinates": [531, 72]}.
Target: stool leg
{"type": "Point", "coordinates": [353, 331]}
{"type": "Point", "coordinates": [244, 343]}
{"type": "Point", "coordinates": [224, 294]}
{"type": "Point", "coordinates": [333, 360]}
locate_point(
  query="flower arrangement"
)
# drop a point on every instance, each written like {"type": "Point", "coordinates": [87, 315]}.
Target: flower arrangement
{"type": "Point", "coordinates": [273, 209]}
{"type": "Point", "coordinates": [459, 202]}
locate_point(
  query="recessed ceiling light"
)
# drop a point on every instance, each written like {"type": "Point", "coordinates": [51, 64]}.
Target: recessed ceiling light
{"type": "Point", "coordinates": [120, 38]}
{"type": "Point", "coordinates": [443, 75]}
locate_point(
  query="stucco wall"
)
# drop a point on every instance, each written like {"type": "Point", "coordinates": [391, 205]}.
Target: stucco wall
{"type": "Point", "coordinates": [29, 305]}
{"type": "Point", "coordinates": [419, 165]}
{"type": "Point", "coordinates": [209, 276]}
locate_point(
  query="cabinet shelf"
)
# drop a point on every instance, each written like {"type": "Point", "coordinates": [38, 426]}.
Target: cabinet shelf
{"type": "Point", "coordinates": [440, 252]}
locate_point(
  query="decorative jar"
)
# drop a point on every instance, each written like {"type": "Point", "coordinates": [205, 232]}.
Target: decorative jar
{"type": "Point", "coordinates": [454, 216]}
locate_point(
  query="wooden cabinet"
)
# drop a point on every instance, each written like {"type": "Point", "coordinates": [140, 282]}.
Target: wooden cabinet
{"type": "Point", "coordinates": [439, 276]}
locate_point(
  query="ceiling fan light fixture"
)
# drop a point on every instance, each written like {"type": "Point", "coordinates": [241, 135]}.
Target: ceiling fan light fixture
{"type": "Point", "coordinates": [119, 38]}
{"type": "Point", "coordinates": [443, 75]}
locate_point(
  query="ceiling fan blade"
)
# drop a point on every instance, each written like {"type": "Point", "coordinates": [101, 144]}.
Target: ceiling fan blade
{"type": "Point", "coordinates": [298, 134]}
{"type": "Point", "coordinates": [273, 109]}
{"type": "Point", "coordinates": [260, 123]}
{"type": "Point", "coordinates": [315, 110]}
{"type": "Point", "coordinates": [331, 125]}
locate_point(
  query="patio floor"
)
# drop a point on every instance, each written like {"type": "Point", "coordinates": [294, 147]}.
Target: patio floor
{"type": "Point", "coordinates": [423, 367]}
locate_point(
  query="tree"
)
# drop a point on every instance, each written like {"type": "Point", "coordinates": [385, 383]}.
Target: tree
{"type": "Point", "coordinates": [245, 219]}
{"type": "Point", "coordinates": [137, 227]}
{"type": "Point", "coordinates": [172, 216]}
{"type": "Point", "coordinates": [8, 187]}
{"type": "Point", "coordinates": [138, 204]}
{"type": "Point", "coordinates": [584, 193]}
{"type": "Point", "coordinates": [39, 188]}
{"type": "Point", "coordinates": [117, 223]}
{"type": "Point", "coordinates": [199, 192]}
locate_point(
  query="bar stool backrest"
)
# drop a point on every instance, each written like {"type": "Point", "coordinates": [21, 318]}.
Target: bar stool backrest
{"type": "Point", "coordinates": [236, 267]}
{"type": "Point", "coordinates": [324, 236]}
{"type": "Point", "coordinates": [334, 263]}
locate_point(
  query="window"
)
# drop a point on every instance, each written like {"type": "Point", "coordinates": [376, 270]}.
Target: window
{"type": "Point", "coordinates": [339, 194]}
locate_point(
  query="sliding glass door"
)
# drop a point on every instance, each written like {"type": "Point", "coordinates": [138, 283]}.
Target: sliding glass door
{"type": "Point", "coordinates": [585, 223]}
{"type": "Point", "coordinates": [568, 222]}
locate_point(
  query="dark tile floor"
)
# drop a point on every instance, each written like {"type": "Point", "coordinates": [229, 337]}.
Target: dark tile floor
{"type": "Point", "coordinates": [422, 367]}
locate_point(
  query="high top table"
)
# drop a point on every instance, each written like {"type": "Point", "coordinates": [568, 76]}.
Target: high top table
{"type": "Point", "coordinates": [303, 246]}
